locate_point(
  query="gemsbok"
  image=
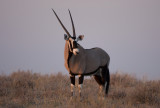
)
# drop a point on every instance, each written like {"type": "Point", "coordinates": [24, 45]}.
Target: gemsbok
{"type": "Point", "coordinates": [83, 62]}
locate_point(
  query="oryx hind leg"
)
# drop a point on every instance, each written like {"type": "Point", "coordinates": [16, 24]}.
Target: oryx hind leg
{"type": "Point", "coordinates": [98, 79]}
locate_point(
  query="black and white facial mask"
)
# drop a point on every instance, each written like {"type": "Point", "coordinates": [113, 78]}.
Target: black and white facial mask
{"type": "Point", "coordinates": [73, 43]}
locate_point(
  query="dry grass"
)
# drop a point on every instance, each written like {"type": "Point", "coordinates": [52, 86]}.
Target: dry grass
{"type": "Point", "coordinates": [32, 90]}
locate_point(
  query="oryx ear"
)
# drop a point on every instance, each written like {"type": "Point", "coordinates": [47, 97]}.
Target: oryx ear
{"type": "Point", "coordinates": [66, 37]}
{"type": "Point", "coordinates": [80, 37]}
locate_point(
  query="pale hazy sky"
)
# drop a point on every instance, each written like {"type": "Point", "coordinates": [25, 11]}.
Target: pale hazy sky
{"type": "Point", "coordinates": [32, 39]}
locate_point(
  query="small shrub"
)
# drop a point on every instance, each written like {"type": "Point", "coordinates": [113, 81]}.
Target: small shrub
{"type": "Point", "coordinates": [147, 93]}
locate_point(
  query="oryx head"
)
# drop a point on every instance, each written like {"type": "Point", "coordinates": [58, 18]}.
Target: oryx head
{"type": "Point", "coordinates": [72, 40]}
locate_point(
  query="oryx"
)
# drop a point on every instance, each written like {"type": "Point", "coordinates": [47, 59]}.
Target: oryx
{"type": "Point", "coordinates": [82, 62]}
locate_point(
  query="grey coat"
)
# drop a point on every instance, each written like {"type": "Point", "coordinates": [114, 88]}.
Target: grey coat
{"type": "Point", "coordinates": [87, 62]}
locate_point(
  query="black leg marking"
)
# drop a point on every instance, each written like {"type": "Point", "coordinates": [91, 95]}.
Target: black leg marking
{"type": "Point", "coordinates": [81, 78]}
{"type": "Point", "coordinates": [72, 77]}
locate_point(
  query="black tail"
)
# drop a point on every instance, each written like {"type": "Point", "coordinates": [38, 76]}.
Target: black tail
{"type": "Point", "coordinates": [106, 78]}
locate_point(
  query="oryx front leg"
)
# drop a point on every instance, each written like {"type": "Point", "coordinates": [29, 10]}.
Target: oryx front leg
{"type": "Point", "coordinates": [81, 78]}
{"type": "Point", "coordinates": [72, 77]}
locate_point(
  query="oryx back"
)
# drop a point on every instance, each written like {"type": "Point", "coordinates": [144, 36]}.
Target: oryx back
{"type": "Point", "coordinates": [95, 58]}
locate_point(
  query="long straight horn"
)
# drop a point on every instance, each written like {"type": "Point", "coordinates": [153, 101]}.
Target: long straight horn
{"type": "Point", "coordinates": [61, 23]}
{"type": "Point", "coordinates": [74, 33]}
